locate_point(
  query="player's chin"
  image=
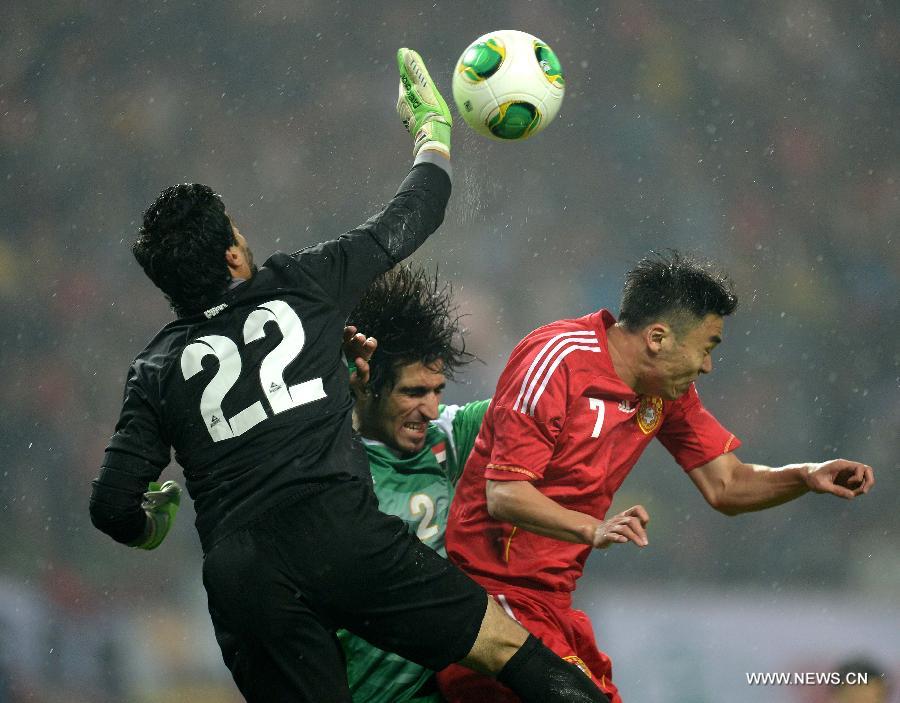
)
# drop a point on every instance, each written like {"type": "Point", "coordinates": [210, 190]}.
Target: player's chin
{"type": "Point", "coordinates": [411, 440]}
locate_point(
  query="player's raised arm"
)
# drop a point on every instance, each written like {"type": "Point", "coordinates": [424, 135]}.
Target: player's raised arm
{"type": "Point", "coordinates": [404, 225]}
{"type": "Point", "coordinates": [347, 265]}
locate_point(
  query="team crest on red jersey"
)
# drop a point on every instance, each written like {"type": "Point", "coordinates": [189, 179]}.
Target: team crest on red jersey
{"type": "Point", "coordinates": [649, 413]}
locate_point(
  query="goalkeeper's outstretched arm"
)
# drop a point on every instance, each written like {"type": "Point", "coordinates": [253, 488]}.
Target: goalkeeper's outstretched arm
{"type": "Point", "coordinates": [418, 207]}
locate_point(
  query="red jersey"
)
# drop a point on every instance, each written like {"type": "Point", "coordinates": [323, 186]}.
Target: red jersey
{"type": "Point", "coordinates": [562, 419]}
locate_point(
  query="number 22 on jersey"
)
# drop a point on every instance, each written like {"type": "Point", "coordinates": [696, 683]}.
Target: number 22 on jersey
{"type": "Point", "coordinates": [271, 371]}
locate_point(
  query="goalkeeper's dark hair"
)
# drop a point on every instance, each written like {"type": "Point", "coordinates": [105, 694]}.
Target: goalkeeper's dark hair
{"type": "Point", "coordinates": [675, 288]}
{"type": "Point", "coordinates": [181, 246]}
{"type": "Point", "coordinates": [414, 319]}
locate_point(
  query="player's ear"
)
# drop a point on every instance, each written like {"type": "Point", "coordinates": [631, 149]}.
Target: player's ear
{"type": "Point", "coordinates": [234, 257]}
{"type": "Point", "coordinates": [657, 336]}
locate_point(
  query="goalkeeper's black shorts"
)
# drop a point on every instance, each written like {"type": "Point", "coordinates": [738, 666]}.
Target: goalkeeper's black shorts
{"type": "Point", "coordinates": [280, 587]}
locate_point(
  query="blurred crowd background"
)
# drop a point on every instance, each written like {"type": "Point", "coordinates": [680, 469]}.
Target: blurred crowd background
{"type": "Point", "coordinates": [763, 135]}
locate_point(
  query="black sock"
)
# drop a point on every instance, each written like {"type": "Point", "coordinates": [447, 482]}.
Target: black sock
{"type": "Point", "coordinates": [537, 675]}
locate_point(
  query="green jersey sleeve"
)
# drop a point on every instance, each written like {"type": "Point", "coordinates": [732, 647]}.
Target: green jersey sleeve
{"type": "Point", "coordinates": [461, 424]}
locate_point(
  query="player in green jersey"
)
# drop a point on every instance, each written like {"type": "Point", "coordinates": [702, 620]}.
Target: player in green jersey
{"type": "Point", "coordinates": [417, 446]}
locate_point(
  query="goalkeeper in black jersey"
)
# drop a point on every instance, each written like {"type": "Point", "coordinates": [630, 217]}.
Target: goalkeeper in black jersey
{"type": "Point", "coordinates": [249, 388]}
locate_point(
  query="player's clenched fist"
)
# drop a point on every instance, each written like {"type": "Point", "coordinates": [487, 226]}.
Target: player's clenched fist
{"type": "Point", "coordinates": [840, 477]}
{"type": "Point", "coordinates": [628, 526]}
{"type": "Point", "coordinates": [421, 107]}
{"type": "Point", "coordinates": [160, 506]}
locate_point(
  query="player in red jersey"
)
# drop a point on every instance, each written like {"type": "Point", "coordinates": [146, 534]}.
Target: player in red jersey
{"type": "Point", "coordinates": [576, 405]}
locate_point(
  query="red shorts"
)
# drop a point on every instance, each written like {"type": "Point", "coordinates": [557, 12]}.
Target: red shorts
{"type": "Point", "coordinates": [565, 631]}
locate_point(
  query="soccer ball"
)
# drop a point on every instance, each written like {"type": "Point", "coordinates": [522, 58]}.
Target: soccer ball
{"type": "Point", "coordinates": [508, 85]}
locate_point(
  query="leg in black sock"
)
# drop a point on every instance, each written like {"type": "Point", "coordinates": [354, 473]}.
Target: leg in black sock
{"type": "Point", "coordinates": [537, 675]}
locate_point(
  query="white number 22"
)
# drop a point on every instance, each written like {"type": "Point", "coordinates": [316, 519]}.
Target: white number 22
{"type": "Point", "coordinates": [271, 371]}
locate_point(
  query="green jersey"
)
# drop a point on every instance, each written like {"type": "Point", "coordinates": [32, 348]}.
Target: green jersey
{"type": "Point", "coordinates": [417, 488]}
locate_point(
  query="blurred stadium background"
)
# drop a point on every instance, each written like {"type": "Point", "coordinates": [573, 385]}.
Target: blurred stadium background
{"type": "Point", "coordinates": [764, 135]}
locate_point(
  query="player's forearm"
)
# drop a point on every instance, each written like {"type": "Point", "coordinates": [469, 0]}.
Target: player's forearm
{"type": "Point", "coordinates": [124, 523]}
{"type": "Point", "coordinates": [754, 487]}
{"type": "Point", "coordinates": [414, 213]}
{"type": "Point", "coordinates": [521, 504]}
{"type": "Point", "coordinates": [115, 505]}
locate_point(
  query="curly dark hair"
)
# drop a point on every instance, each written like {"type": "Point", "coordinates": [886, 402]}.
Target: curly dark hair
{"type": "Point", "coordinates": [680, 289]}
{"type": "Point", "coordinates": [181, 246]}
{"type": "Point", "coordinates": [413, 317]}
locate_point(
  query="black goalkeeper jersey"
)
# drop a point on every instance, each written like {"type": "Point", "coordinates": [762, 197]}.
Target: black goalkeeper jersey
{"type": "Point", "coordinates": [253, 393]}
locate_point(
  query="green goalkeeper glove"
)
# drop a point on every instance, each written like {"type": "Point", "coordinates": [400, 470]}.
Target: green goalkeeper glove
{"type": "Point", "coordinates": [421, 107]}
{"type": "Point", "coordinates": [160, 505]}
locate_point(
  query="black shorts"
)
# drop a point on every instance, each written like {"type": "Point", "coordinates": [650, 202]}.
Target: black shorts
{"type": "Point", "coordinates": [280, 587]}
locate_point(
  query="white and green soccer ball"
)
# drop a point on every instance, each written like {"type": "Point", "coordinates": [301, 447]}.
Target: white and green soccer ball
{"type": "Point", "coordinates": [508, 85]}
